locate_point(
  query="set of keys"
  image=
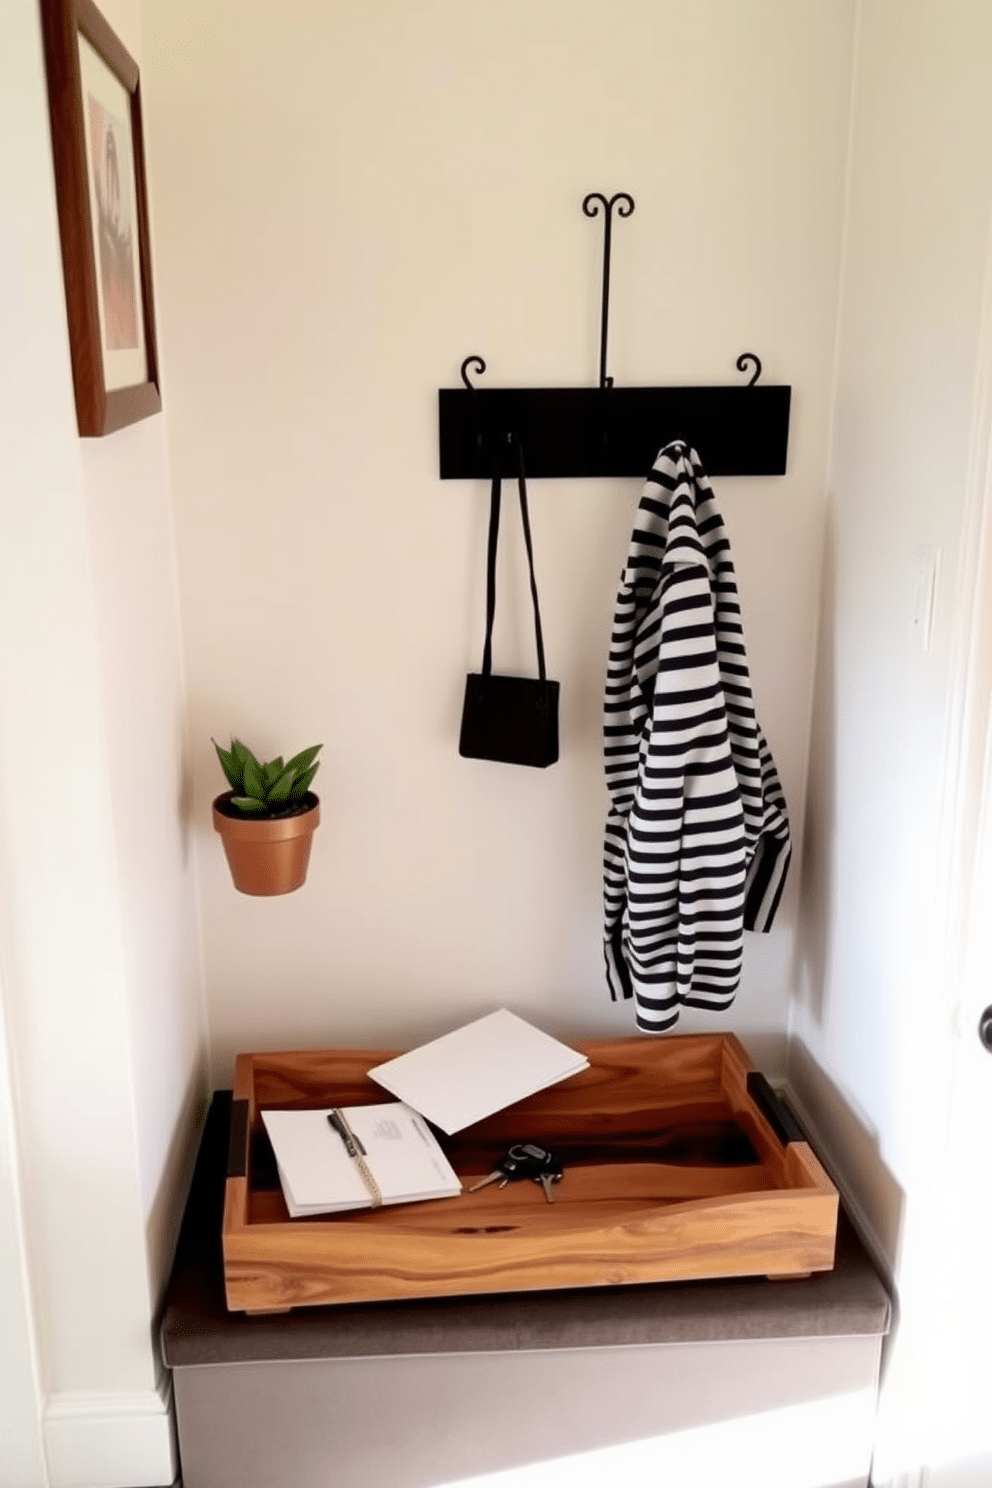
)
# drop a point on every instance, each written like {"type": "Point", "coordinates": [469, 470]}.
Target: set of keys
{"type": "Point", "coordinates": [525, 1160]}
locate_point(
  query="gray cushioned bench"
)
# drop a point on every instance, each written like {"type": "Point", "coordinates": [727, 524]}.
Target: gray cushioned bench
{"type": "Point", "coordinates": [669, 1380]}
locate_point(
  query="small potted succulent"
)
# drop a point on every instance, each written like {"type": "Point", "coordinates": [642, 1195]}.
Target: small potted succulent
{"type": "Point", "coordinates": [267, 819]}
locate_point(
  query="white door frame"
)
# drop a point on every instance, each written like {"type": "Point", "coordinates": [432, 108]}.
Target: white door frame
{"type": "Point", "coordinates": [958, 1368]}
{"type": "Point", "coordinates": [22, 1458]}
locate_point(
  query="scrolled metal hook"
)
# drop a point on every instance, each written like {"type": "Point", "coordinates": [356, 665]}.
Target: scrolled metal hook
{"type": "Point", "coordinates": [622, 200]}
{"type": "Point", "coordinates": [624, 204]}
{"type": "Point", "coordinates": [744, 359]}
{"type": "Point", "coordinates": [478, 364]}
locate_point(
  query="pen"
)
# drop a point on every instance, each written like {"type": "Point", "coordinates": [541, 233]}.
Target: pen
{"type": "Point", "coordinates": [356, 1151]}
{"type": "Point", "coordinates": [353, 1145]}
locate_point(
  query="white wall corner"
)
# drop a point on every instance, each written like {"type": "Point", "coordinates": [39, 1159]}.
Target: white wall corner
{"type": "Point", "coordinates": [832, 1155]}
{"type": "Point", "coordinates": [111, 1440]}
{"type": "Point", "coordinates": [832, 1159]}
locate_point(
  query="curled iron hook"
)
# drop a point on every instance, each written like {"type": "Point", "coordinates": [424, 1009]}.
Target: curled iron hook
{"type": "Point", "coordinates": [478, 364]}
{"type": "Point", "coordinates": [624, 204]}
{"type": "Point", "coordinates": [622, 200]}
{"type": "Point", "coordinates": [744, 359]}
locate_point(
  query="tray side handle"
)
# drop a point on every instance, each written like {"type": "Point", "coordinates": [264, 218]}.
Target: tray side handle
{"type": "Point", "coordinates": [237, 1147]}
{"type": "Point", "coordinates": [774, 1109]}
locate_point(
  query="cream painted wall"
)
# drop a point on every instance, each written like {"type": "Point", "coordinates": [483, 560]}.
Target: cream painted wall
{"type": "Point", "coordinates": [128, 512]}
{"type": "Point", "coordinates": [874, 1022]}
{"type": "Point", "coordinates": [101, 987]}
{"type": "Point", "coordinates": [130, 534]}
{"type": "Point", "coordinates": [63, 974]}
{"type": "Point", "coordinates": [347, 201]}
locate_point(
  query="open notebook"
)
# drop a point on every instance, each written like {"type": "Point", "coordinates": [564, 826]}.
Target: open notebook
{"type": "Point", "coordinates": [319, 1177]}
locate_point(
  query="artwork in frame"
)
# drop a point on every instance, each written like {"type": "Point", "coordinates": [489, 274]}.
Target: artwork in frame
{"type": "Point", "coordinates": [95, 107]}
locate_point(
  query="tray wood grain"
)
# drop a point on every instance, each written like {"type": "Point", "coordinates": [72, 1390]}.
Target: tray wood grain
{"type": "Point", "coordinates": [672, 1172]}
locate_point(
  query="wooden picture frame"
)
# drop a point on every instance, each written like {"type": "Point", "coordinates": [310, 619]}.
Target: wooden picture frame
{"type": "Point", "coordinates": [95, 106]}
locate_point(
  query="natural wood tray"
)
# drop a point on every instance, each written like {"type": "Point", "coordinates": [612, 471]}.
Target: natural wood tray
{"type": "Point", "coordinates": [680, 1163]}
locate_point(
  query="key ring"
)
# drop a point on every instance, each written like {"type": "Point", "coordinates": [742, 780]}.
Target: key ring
{"type": "Point", "coordinates": [528, 1155]}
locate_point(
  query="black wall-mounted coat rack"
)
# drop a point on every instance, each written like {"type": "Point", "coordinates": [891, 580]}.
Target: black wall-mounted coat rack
{"type": "Point", "coordinates": [740, 429]}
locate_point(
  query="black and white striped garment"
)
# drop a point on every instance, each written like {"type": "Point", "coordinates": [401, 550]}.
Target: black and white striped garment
{"type": "Point", "coordinates": [697, 837]}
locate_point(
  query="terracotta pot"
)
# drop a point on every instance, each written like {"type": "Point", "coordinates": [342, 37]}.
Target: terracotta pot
{"type": "Point", "coordinates": [269, 856]}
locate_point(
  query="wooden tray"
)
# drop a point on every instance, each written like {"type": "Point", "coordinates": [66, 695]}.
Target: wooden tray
{"type": "Point", "coordinates": [680, 1163]}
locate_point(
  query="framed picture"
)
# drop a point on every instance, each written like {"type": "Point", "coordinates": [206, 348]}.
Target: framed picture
{"type": "Point", "coordinates": [95, 106]}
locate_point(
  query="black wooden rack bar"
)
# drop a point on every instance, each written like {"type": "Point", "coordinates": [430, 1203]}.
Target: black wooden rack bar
{"type": "Point", "coordinates": [591, 431]}
{"type": "Point", "coordinates": [609, 431]}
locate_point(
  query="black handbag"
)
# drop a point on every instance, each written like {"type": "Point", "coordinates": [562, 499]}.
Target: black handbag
{"type": "Point", "coordinates": [513, 719]}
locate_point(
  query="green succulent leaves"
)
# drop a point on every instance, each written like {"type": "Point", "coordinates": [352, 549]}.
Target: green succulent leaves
{"type": "Point", "coordinates": [274, 789]}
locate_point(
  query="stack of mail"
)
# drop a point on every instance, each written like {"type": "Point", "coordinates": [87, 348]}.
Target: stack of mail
{"type": "Point", "coordinates": [453, 1081]}
{"type": "Point", "coordinates": [319, 1177]}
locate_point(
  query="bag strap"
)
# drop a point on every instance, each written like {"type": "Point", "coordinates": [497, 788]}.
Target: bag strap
{"type": "Point", "coordinates": [494, 511]}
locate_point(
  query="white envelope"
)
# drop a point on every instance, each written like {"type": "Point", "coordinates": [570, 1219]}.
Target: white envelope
{"type": "Point", "coordinates": [463, 1076]}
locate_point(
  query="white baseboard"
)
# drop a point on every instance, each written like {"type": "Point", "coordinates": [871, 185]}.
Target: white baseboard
{"type": "Point", "coordinates": [111, 1440]}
